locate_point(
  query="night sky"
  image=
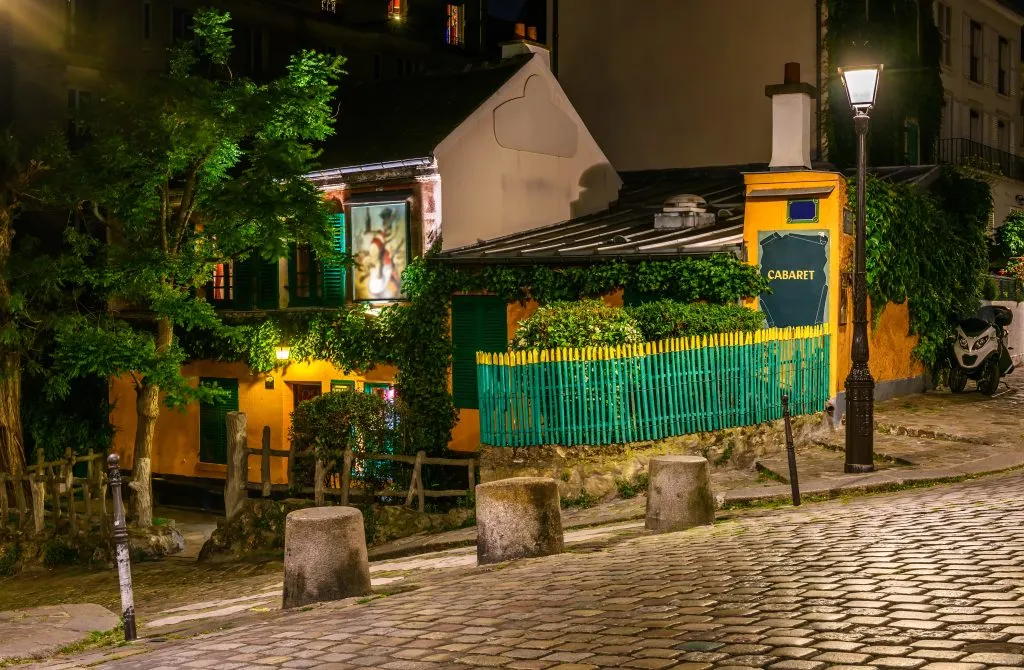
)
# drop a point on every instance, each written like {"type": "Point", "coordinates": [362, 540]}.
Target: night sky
{"type": "Point", "coordinates": [506, 9]}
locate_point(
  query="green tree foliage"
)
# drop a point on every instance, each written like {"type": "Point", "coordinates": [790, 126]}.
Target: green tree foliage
{"type": "Point", "coordinates": [587, 323]}
{"type": "Point", "coordinates": [662, 319]}
{"type": "Point", "coordinates": [928, 248]}
{"type": "Point", "coordinates": [186, 171]}
{"type": "Point", "coordinates": [903, 37]}
{"type": "Point", "coordinates": [1010, 235]}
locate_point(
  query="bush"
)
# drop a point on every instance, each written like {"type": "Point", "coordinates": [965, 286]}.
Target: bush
{"type": "Point", "coordinates": [334, 422]}
{"type": "Point", "coordinates": [1011, 235]}
{"type": "Point", "coordinates": [990, 290]}
{"type": "Point", "coordinates": [670, 318]}
{"type": "Point", "coordinates": [586, 323]}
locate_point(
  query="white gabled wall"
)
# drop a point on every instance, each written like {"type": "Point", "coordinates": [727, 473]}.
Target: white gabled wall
{"type": "Point", "coordinates": [524, 159]}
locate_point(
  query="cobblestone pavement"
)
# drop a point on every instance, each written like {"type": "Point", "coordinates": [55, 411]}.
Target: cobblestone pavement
{"type": "Point", "coordinates": [922, 579]}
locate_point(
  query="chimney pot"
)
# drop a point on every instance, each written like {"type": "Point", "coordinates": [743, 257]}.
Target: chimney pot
{"type": "Point", "coordinates": [520, 30]}
{"type": "Point", "coordinates": [792, 75]}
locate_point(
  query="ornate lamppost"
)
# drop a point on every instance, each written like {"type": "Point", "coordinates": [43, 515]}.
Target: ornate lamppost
{"type": "Point", "coordinates": [861, 84]}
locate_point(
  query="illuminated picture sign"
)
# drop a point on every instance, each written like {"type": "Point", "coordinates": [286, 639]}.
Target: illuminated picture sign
{"type": "Point", "coordinates": [796, 267]}
{"type": "Point", "coordinates": [380, 247]}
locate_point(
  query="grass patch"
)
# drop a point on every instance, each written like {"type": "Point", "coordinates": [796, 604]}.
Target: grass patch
{"type": "Point", "coordinates": [97, 640]}
{"type": "Point", "coordinates": [631, 489]}
{"type": "Point", "coordinates": [583, 501]}
{"type": "Point", "coordinates": [764, 476]}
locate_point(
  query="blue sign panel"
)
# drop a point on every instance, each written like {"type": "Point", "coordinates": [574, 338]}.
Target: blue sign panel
{"type": "Point", "coordinates": [796, 266]}
{"type": "Point", "coordinates": [802, 211]}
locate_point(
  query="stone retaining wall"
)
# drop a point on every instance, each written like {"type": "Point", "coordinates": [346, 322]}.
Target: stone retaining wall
{"type": "Point", "coordinates": [595, 471]}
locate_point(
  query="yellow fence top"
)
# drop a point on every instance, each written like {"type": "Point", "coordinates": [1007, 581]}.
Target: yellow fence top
{"type": "Point", "coordinates": [670, 345]}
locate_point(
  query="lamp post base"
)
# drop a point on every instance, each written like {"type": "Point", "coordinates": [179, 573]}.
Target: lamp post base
{"type": "Point", "coordinates": [853, 468]}
{"type": "Point", "coordinates": [860, 419]}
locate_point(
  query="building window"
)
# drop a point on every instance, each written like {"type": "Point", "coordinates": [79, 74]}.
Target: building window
{"type": "Point", "coordinates": [974, 131]}
{"type": "Point", "coordinates": [302, 275]}
{"type": "Point", "coordinates": [147, 19]}
{"type": "Point", "coordinates": [977, 52]}
{"type": "Point", "coordinates": [396, 9]}
{"type": "Point", "coordinates": [316, 282]}
{"type": "Point", "coordinates": [944, 20]}
{"type": "Point", "coordinates": [181, 24]}
{"type": "Point", "coordinates": [456, 31]}
{"type": "Point", "coordinates": [213, 430]}
{"type": "Point", "coordinates": [220, 290]}
{"type": "Point", "coordinates": [1001, 142]}
{"type": "Point", "coordinates": [342, 385]}
{"type": "Point", "coordinates": [1004, 66]}
{"type": "Point", "coordinates": [81, 18]}
{"type": "Point", "coordinates": [78, 104]}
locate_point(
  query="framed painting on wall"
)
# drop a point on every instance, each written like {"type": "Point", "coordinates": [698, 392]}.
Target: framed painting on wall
{"type": "Point", "coordinates": [380, 247]}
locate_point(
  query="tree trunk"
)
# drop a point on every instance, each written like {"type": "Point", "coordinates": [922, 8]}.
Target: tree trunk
{"type": "Point", "coordinates": [147, 409]}
{"type": "Point", "coordinates": [12, 446]}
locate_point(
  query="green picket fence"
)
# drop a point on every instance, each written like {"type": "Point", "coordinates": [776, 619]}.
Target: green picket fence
{"type": "Point", "coordinates": [636, 393]}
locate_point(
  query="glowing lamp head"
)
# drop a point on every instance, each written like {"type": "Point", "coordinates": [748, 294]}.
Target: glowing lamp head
{"type": "Point", "coordinates": [282, 353]}
{"type": "Point", "coordinates": [861, 84]}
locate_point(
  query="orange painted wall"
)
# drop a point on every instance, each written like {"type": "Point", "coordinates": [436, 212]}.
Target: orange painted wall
{"type": "Point", "coordinates": [176, 446]}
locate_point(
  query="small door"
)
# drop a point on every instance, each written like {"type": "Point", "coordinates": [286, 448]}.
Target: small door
{"type": "Point", "coordinates": [303, 392]}
{"type": "Point", "coordinates": [213, 430]}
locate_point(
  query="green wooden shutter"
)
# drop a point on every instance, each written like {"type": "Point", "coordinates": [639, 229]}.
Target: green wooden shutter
{"type": "Point", "coordinates": [242, 278]}
{"type": "Point", "coordinates": [479, 323]}
{"type": "Point", "coordinates": [334, 273]}
{"type": "Point", "coordinates": [268, 284]}
{"type": "Point", "coordinates": [213, 430]}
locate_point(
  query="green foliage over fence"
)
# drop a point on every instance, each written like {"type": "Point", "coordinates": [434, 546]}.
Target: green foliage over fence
{"type": "Point", "coordinates": [635, 393]}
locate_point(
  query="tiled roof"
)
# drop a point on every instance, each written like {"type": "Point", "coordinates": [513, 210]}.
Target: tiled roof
{"type": "Point", "coordinates": [626, 230]}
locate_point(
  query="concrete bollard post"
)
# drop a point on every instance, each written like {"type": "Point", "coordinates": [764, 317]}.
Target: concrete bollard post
{"type": "Point", "coordinates": [324, 556]}
{"type": "Point", "coordinates": [679, 494]}
{"type": "Point", "coordinates": [517, 518]}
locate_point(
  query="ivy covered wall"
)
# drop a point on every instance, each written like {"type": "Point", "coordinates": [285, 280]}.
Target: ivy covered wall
{"type": "Point", "coordinates": [900, 34]}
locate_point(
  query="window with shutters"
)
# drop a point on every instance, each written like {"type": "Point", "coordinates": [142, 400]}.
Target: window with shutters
{"type": "Point", "coordinates": [1001, 138]}
{"type": "Point", "coordinates": [977, 52]}
{"type": "Point", "coordinates": [1003, 80]}
{"type": "Point", "coordinates": [342, 385]}
{"type": "Point", "coordinates": [479, 323]}
{"type": "Point", "coordinates": [255, 284]}
{"type": "Point", "coordinates": [316, 282]}
{"type": "Point", "coordinates": [213, 432]}
{"type": "Point", "coordinates": [944, 21]}
{"type": "Point", "coordinates": [219, 291]}
{"type": "Point", "coordinates": [974, 130]}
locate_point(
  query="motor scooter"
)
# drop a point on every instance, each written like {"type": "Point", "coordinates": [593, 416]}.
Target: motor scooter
{"type": "Point", "coordinates": [980, 351]}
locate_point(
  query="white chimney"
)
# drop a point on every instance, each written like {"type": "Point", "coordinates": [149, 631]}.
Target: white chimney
{"type": "Point", "coordinates": [791, 121]}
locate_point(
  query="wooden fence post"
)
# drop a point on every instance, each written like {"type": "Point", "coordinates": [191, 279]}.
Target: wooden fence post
{"type": "Point", "coordinates": [472, 477]}
{"type": "Point", "coordinates": [236, 488]}
{"type": "Point", "coordinates": [69, 489]}
{"type": "Point", "coordinates": [18, 482]}
{"type": "Point", "coordinates": [3, 500]}
{"type": "Point", "coordinates": [38, 484]}
{"type": "Point", "coordinates": [87, 492]}
{"type": "Point", "coordinates": [318, 484]}
{"type": "Point", "coordinates": [346, 475]}
{"type": "Point", "coordinates": [265, 462]}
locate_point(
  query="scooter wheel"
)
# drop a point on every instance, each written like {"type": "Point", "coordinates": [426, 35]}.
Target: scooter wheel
{"type": "Point", "coordinates": [988, 384]}
{"type": "Point", "coordinates": [957, 379]}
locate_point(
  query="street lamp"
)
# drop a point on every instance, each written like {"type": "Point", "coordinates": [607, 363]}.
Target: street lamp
{"type": "Point", "coordinates": [861, 84]}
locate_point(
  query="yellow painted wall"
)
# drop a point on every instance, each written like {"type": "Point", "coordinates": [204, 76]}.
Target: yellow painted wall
{"type": "Point", "coordinates": [176, 444]}
{"type": "Point", "coordinates": [891, 344]}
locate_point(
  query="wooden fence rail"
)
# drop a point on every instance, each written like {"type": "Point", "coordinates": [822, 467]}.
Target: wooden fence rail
{"type": "Point", "coordinates": [614, 395]}
{"type": "Point", "coordinates": [339, 484]}
{"type": "Point", "coordinates": [55, 493]}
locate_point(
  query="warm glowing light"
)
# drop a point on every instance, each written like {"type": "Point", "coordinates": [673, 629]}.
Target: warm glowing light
{"type": "Point", "coordinates": [861, 84]}
{"type": "Point", "coordinates": [283, 353]}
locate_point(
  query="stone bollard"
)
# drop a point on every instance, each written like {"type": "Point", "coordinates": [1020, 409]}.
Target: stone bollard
{"type": "Point", "coordinates": [517, 518]}
{"type": "Point", "coordinates": [324, 556]}
{"type": "Point", "coordinates": [679, 494]}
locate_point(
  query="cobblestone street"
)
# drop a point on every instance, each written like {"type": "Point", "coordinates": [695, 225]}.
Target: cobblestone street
{"type": "Point", "coordinates": [930, 579]}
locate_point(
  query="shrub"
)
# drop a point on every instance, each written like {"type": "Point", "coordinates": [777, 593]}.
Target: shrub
{"type": "Point", "coordinates": [1011, 234]}
{"type": "Point", "coordinates": [333, 422]}
{"type": "Point", "coordinates": [670, 318]}
{"type": "Point", "coordinates": [990, 290]}
{"type": "Point", "coordinates": [586, 323]}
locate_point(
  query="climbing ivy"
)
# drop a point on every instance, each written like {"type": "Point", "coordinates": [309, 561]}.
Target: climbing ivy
{"type": "Point", "coordinates": [928, 248]}
{"type": "Point", "coordinates": [416, 337]}
{"type": "Point", "coordinates": [900, 34]}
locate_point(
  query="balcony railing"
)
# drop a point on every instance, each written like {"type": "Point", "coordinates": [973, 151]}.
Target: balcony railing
{"type": "Point", "coordinates": [961, 151]}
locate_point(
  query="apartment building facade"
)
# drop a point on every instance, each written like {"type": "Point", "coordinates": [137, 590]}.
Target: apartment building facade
{"type": "Point", "coordinates": [55, 55]}
{"type": "Point", "coordinates": [680, 83]}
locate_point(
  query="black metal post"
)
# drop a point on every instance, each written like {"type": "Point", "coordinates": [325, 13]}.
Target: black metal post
{"type": "Point", "coordinates": [124, 567]}
{"type": "Point", "coordinates": [794, 483]}
{"type": "Point", "coordinates": [860, 386]}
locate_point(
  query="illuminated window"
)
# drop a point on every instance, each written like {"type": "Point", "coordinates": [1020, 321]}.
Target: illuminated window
{"type": "Point", "coordinates": [303, 272]}
{"type": "Point", "coordinates": [456, 34]}
{"type": "Point", "coordinates": [221, 289]}
{"type": "Point", "coordinates": [396, 9]}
